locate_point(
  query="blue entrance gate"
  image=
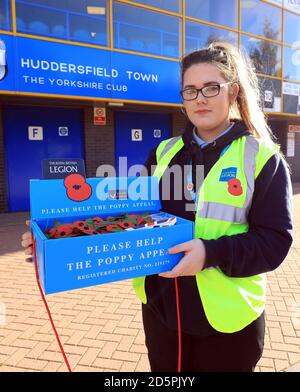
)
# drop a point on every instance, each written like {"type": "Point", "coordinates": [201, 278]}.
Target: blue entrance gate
{"type": "Point", "coordinates": [137, 133]}
{"type": "Point", "coordinates": [32, 134]}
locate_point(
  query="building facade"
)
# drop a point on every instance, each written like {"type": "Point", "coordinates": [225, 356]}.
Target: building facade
{"type": "Point", "coordinates": [100, 79]}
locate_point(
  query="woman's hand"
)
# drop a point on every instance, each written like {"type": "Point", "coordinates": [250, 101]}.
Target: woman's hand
{"type": "Point", "coordinates": [27, 241]}
{"type": "Point", "coordinates": [191, 263]}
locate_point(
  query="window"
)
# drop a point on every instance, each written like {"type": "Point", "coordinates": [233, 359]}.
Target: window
{"type": "Point", "coordinates": [5, 15]}
{"type": "Point", "coordinates": [145, 31]}
{"type": "Point", "coordinates": [291, 28]}
{"type": "Point", "coordinates": [173, 5]}
{"type": "Point", "coordinates": [291, 64]}
{"type": "Point", "coordinates": [261, 18]}
{"type": "Point", "coordinates": [270, 90]}
{"type": "Point", "coordinates": [83, 21]}
{"type": "Point", "coordinates": [291, 92]}
{"type": "Point", "coordinates": [222, 12]}
{"type": "Point", "coordinates": [199, 35]}
{"type": "Point", "coordinates": [265, 55]}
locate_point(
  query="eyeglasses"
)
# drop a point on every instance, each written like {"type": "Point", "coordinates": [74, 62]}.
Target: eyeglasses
{"type": "Point", "coordinates": [191, 93]}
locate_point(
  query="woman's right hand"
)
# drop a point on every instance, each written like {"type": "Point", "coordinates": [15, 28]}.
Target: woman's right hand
{"type": "Point", "coordinates": [27, 241]}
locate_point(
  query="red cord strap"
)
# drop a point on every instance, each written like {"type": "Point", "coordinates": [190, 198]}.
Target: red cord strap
{"type": "Point", "coordinates": [55, 331]}
{"type": "Point", "coordinates": [179, 326]}
{"type": "Point", "coordinates": [46, 305]}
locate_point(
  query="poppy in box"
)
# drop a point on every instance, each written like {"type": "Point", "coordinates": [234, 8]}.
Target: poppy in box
{"type": "Point", "coordinates": [125, 225]}
{"type": "Point", "coordinates": [64, 230]}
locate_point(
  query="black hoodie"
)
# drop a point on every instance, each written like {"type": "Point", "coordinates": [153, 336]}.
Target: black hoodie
{"type": "Point", "coordinates": [261, 249]}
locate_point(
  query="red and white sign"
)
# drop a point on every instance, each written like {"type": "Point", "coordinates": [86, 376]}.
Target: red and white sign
{"type": "Point", "coordinates": [99, 116]}
{"type": "Point", "coordinates": [294, 128]}
{"type": "Point", "coordinates": [290, 151]}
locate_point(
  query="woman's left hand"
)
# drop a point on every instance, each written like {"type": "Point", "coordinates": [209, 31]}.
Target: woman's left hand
{"type": "Point", "coordinates": [191, 263]}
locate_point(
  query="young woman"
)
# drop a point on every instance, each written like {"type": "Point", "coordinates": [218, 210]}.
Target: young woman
{"type": "Point", "coordinates": [207, 314]}
{"type": "Point", "coordinates": [212, 302]}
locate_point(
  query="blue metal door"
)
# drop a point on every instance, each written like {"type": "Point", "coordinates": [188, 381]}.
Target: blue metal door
{"type": "Point", "coordinates": [32, 134]}
{"type": "Point", "coordinates": [136, 134]}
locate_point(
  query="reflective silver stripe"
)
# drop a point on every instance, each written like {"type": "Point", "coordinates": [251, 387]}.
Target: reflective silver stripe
{"type": "Point", "coordinates": [225, 212]}
{"type": "Point", "coordinates": [251, 149]}
{"type": "Point", "coordinates": [169, 145]}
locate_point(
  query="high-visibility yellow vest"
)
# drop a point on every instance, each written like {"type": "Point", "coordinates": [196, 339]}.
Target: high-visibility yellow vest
{"type": "Point", "coordinates": [230, 304]}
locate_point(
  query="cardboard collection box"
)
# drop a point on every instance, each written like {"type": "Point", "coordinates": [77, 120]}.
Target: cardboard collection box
{"type": "Point", "coordinates": [76, 262]}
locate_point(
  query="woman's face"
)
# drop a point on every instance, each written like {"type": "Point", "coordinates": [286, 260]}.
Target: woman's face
{"type": "Point", "coordinates": [207, 113]}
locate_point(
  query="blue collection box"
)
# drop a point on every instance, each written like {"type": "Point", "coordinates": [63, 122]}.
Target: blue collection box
{"type": "Point", "coordinates": [76, 262]}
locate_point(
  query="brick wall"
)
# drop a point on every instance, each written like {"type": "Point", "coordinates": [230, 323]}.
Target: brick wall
{"type": "Point", "coordinates": [3, 188]}
{"type": "Point", "coordinates": [99, 142]}
{"type": "Point", "coordinates": [294, 161]}
{"type": "Point", "coordinates": [280, 128]}
{"type": "Point", "coordinates": [179, 122]}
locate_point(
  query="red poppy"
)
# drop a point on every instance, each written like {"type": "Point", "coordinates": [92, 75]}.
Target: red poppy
{"type": "Point", "coordinates": [64, 230]}
{"type": "Point", "coordinates": [235, 187]}
{"type": "Point", "coordinates": [125, 225]}
{"type": "Point", "coordinates": [98, 225]}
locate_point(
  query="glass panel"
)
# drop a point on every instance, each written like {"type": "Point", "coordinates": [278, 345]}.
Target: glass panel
{"type": "Point", "coordinates": [291, 28]}
{"type": "Point", "coordinates": [5, 15]}
{"type": "Point", "coordinates": [173, 5]}
{"type": "Point", "coordinates": [291, 64]}
{"type": "Point", "coordinates": [221, 12]}
{"type": "Point", "coordinates": [261, 18]}
{"type": "Point", "coordinates": [199, 35]}
{"type": "Point", "coordinates": [270, 90]}
{"type": "Point", "coordinates": [291, 101]}
{"type": "Point", "coordinates": [145, 31]}
{"type": "Point", "coordinates": [265, 55]}
{"type": "Point", "coordinates": [292, 5]}
{"type": "Point", "coordinates": [84, 21]}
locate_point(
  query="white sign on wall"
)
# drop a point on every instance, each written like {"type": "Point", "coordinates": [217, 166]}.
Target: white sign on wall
{"type": "Point", "coordinates": [35, 133]}
{"type": "Point", "coordinates": [157, 133]}
{"type": "Point", "coordinates": [63, 131]}
{"type": "Point", "coordinates": [290, 151]}
{"type": "Point", "coordinates": [268, 96]}
{"type": "Point", "coordinates": [290, 88]}
{"type": "Point", "coordinates": [136, 135]}
{"type": "Point", "coordinates": [292, 5]}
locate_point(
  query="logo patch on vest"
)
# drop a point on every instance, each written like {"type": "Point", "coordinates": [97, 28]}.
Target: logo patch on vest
{"type": "Point", "coordinates": [228, 174]}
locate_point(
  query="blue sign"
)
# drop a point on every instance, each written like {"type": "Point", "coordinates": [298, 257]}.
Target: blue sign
{"type": "Point", "coordinates": [51, 199]}
{"type": "Point", "coordinates": [61, 168]}
{"type": "Point", "coordinates": [228, 174]}
{"type": "Point", "coordinates": [75, 262]}
{"type": "Point", "coordinates": [44, 67]}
